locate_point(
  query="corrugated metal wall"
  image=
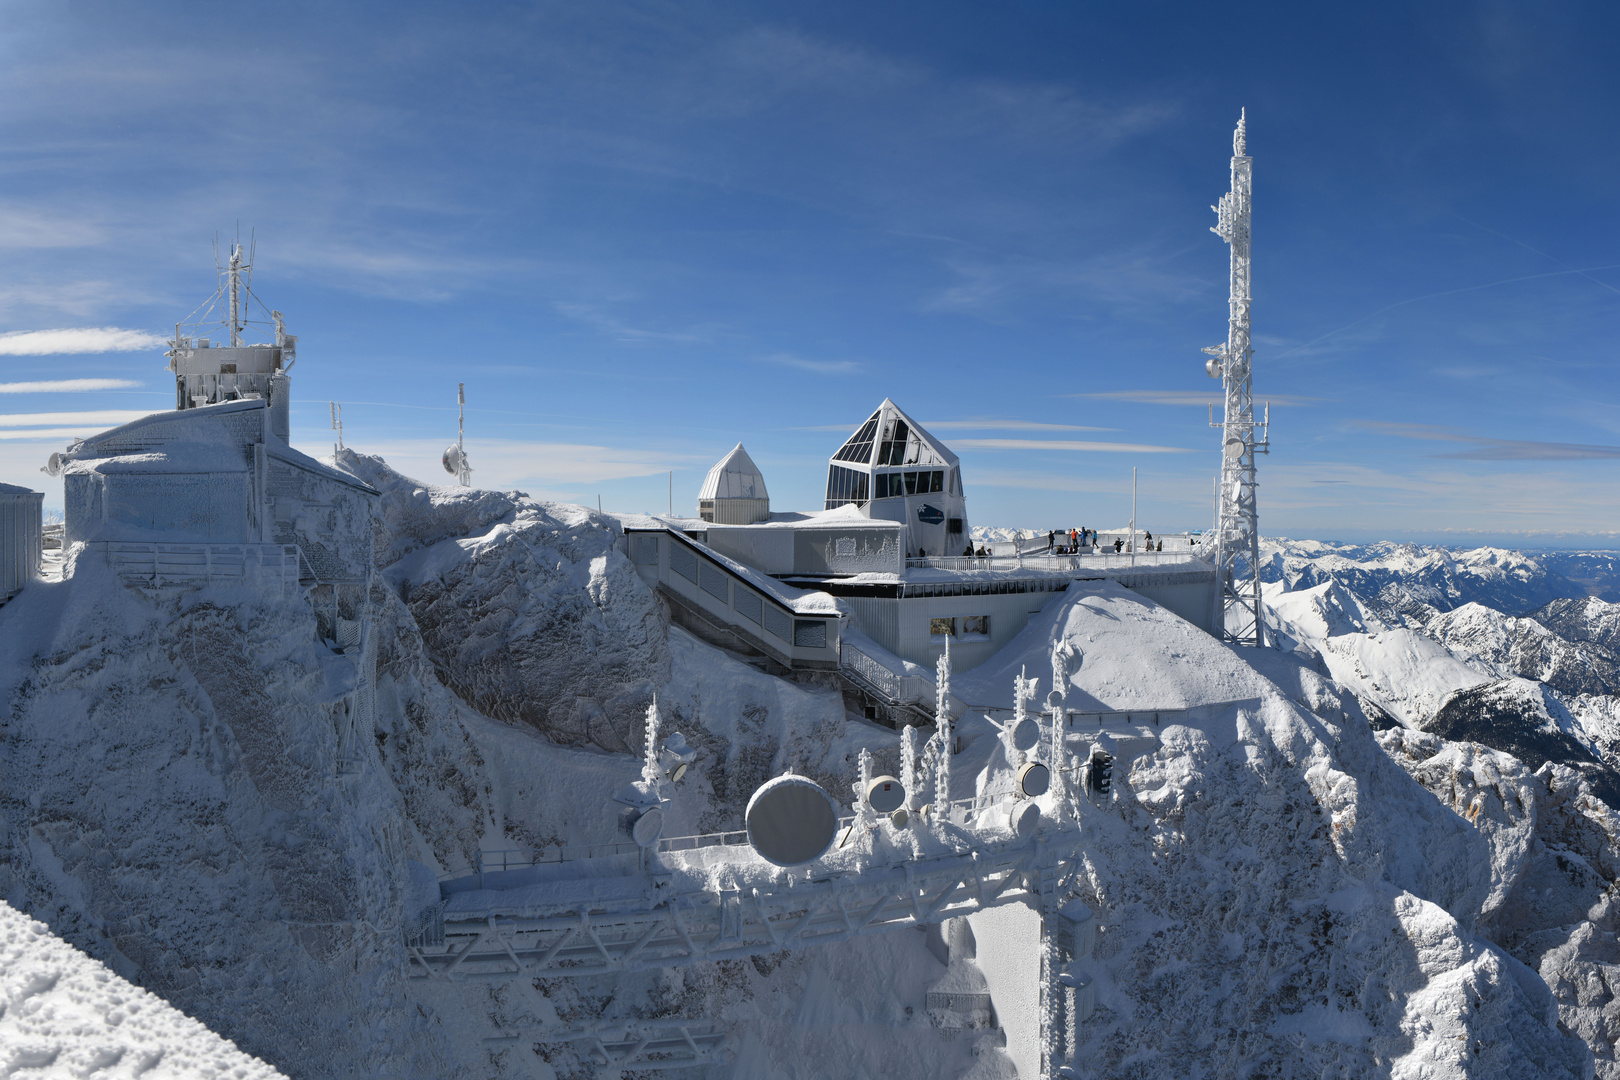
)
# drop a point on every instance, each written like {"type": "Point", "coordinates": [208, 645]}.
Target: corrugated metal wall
{"type": "Point", "coordinates": [20, 520]}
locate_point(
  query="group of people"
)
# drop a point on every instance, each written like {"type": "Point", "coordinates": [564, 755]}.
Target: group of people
{"type": "Point", "coordinates": [1078, 540]}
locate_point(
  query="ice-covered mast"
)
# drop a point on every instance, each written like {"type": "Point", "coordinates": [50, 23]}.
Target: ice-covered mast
{"type": "Point", "coordinates": [1237, 612]}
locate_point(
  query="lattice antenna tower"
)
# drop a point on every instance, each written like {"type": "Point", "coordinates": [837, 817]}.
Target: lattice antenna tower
{"type": "Point", "coordinates": [1237, 612]}
{"type": "Point", "coordinates": [337, 425]}
{"type": "Point", "coordinates": [455, 457]}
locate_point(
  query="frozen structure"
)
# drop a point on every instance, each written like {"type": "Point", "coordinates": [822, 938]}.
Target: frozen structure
{"type": "Point", "coordinates": [734, 491]}
{"type": "Point", "coordinates": [1238, 614]}
{"type": "Point", "coordinates": [881, 580]}
{"type": "Point", "coordinates": [20, 524]}
{"type": "Point", "coordinates": [212, 492]}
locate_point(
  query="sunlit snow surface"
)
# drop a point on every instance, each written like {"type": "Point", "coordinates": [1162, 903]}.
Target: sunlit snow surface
{"type": "Point", "coordinates": [63, 1014]}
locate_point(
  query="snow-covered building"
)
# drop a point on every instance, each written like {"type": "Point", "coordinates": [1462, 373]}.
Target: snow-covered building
{"type": "Point", "coordinates": [216, 476]}
{"type": "Point", "coordinates": [20, 527]}
{"type": "Point", "coordinates": [887, 557]}
{"type": "Point", "coordinates": [734, 491]}
{"type": "Point", "coordinates": [212, 492]}
{"type": "Point", "coordinates": [891, 469]}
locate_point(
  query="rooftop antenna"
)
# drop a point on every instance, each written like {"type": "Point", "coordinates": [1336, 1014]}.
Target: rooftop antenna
{"type": "Point", "coordinates": [1237, 520]}
{"type": "Point", "coordinates": [337, 425]}
{"type": "Point", "coordinates": [455, 457]}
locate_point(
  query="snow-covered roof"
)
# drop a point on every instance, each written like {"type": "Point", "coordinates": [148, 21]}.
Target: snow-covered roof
{"type": "Point", "coordinates": [205, 446]}
{"type": "Point", "coordinates": [14, 489]}
{"type": "Point", "coordinates": [734, 476]}
{"type": "Point", "coordinates": [890, 437]}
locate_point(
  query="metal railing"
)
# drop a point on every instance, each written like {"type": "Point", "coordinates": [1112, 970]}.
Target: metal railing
{"type": "Point", "coordinates": [154, 564]}
{"type": "Point", "coordinates": [1046, 560]}
{"type": "Point", "coordinates": [897, 688]}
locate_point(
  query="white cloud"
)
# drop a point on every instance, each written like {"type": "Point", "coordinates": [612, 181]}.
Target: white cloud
{"type": "Point", "coordinates": [65, 386]}
{"type": "Point", "coordinates": [1059, 444]}
{"type": "Point", "coordinates": [1006, 425]}
{"type": "Point", "coordinates": [534, 467]}
{"type": "Point", "coordinates": [97, 421]}
{"type": "Point", "coordinates": [818, 367]}
{"type": "Point", "coordinates": [1194, 397]}
{"type": "Point", "coordinates": [90, 340]}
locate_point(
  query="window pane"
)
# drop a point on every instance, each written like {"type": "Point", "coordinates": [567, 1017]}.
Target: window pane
{"type": "Point", "coordinates": [881, 483]}
{"type": "Point", "coordinates": [861, 480]}
{"type": "Point", "coordinates": [942, 627]}
{"type": "Point", "coordinates": [911, 483]}
{"type": "Point", "coordinates": [939, 481]}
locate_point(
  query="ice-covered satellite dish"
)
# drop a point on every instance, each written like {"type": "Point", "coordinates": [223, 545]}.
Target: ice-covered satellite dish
{"type": "Point", "coordinates": [1026, 734]}
{"type": "Point", "coordinates": [454, 458]}
{"type": "Point", "coordinates": [1233, 449]}
{"type": "Point", "coordinates": [885, 794]}
{"type": "Point", "coordinates": [1023, 819]}
{"type": "Point", "coordinates": [791, 820]}
{"type": "Point", "coordinates": [1033, 779]}
{"type": "Point", "coordinates": [648, 827]}
{"type": "Point", "coordinates": [53, 465]}
{"type": "Point", "coordinates": [1213, 366]}
{"type": "Point", "coordinates": [899, 818]}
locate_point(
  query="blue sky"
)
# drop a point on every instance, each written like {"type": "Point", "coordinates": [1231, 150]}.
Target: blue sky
{"type": "Point", "coordinates": [641, 233]}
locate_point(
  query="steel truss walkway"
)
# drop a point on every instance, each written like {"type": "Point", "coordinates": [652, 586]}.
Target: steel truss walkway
{"type": "Point", "coordinates": [643, 1045]}
{"type": "Point", "coordinates": [485, 938]}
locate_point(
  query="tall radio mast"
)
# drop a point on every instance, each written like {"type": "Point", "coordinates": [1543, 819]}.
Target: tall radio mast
{"type": "Point", "coordinates": [1237, 612]}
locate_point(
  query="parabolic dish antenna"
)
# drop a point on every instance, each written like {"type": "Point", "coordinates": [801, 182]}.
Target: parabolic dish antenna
{"type": "Point", "coordinates": [1026, 734]}
{"type": "Point", "coordinates": [791, 820]}
{"type": "Point", "coordinates": [1034, 779]}
{"type": "Point", "coordinates": [1023, 819]}
{"type": "Point", "coordinates": [648, 827]}
{"type": "Point", "coordinates": [53, 465]}
{"type": "Point", "coordinates": [885, 794]}
{"type": "Point", "coordinates": [454, 458]}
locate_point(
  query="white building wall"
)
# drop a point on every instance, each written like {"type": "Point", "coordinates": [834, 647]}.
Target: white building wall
{"type": "Point", "coordinates": [1009, 954]}
{"type": "Point", "coordinates": [1009, 613]}
{"type": "Point", "coordinates": [19, 539]}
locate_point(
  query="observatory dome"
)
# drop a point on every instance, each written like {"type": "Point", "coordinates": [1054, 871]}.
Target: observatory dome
{"type": "Point", "coordinates": [734, 491]}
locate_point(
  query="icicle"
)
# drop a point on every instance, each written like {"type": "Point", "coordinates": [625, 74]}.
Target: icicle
{"type": "Point", "coordinates": [650, 772]}
{"type": "Point", "coordinates": [942, 728]}
{"type": "Point", "coordinates": [908, 766]}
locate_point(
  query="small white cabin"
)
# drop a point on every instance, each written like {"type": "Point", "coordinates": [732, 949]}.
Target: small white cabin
{"type": "Point", "coordinates": [21, 516]}
{"type": "Point", "coordinates": [734, 491]}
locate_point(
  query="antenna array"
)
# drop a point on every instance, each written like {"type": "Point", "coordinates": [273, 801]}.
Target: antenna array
{"type": "Point", "coordinates": [1237, 612]}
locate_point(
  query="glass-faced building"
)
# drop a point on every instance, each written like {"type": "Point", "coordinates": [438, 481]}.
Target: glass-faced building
{"type": "Point", "coordinates": [893, 470]}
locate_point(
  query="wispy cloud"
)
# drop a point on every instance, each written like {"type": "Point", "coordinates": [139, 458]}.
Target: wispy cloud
{"type": "Point", "coordinates": [597, 319]}
{"type": "Point", "coordinates": [1192, 397]}
{"type": "Point", "coordinates": [1060, 444]}
{"type": "Point", "coordinates": [818, 367]}
{"type": "Point", "coordinates": [1085, 485]}
{"type": "Point", "coordinates": [94, 421]}
{"type": "Point", "coordinates": [65, 386]}
{"type": "Point", "coordinates": [89, 340]}
{"type": "Point", "coordinates": [544, 466]}
{"type": "Point", "coordinates": [1488, 449]}
{"type": "Point", "coordinates": [1006, 425]}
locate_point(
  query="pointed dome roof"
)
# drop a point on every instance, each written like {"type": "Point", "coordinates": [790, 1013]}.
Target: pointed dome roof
{"type": "Point", "coordinates": [734, 476]}
{"type": "Point", "coordinates": [890, 437]}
